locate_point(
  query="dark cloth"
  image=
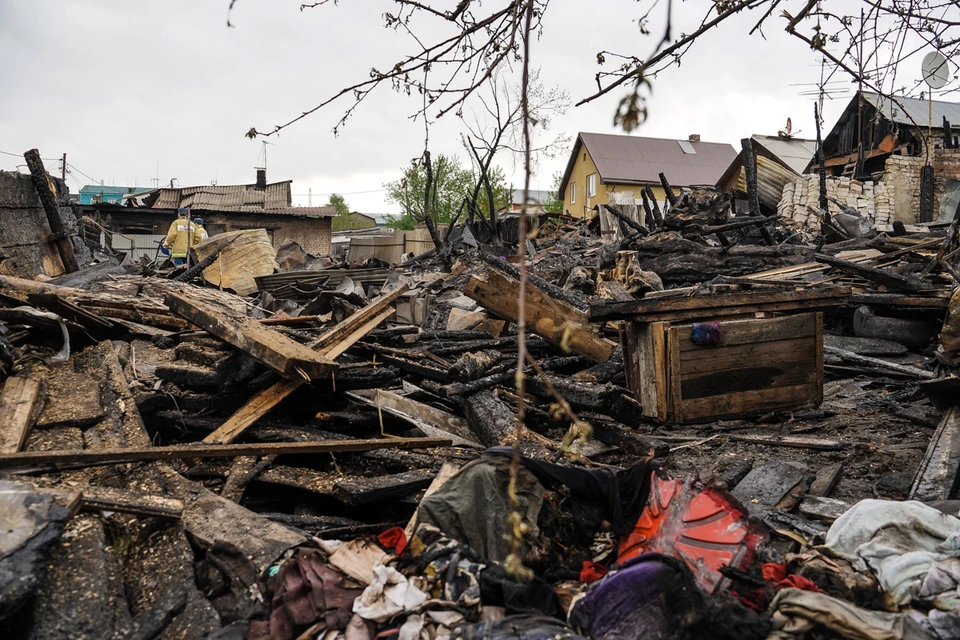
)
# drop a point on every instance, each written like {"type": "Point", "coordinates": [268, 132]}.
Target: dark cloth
{"type": "Point", "coordinates": [527, 627]}
{"type": "Point", "coordinates": [305, 591]}
{"type": "Point", "coordinates": [227, 578]}
{"type": "Point", "coordinates": [655, 597]}
{"type": "Point", "coordinates": [535, 597]}
{"type": "Point", "coordinates": [598, 494]}
{"type": "Point", "coordinates": [472, 506]}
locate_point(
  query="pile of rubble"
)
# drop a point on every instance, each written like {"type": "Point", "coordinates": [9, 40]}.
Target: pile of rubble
{"type": "Point", "coordinates": [727, 432]}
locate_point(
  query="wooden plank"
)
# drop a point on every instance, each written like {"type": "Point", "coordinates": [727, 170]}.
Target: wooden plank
{"type": "Point", "coordinates": [282, 354]}
{"type": "Point", "coordinates": [736, 332]}
{"type": "Point", "coordinates": [937, 475]}
{"type": "Point", "coordinates": [886, 278]}
{"type": "Point", "coordinates": [672, 375]}
{"type": "Point", "coordinates": [357, 491]}
{"type": "Point", "coordinates": [556, 321]}
{"type": "Point", "coordinates": [17, 403]}
{"type": "Point", "coordinates": [877, 363]}
{"type": "Point", "coordinates": [738, 404]}
{"type": "Point", "coordinates": [329, 344]}
{"type": "Point", "coordinates": [110, 499]}
{"type": "Point", "coordinates": [718, 383]}
{"type": "Point", "coordinates": [433, 422]}
{"type": "Point", "coordinates": [708, 306]}
{"type": "Point", "coordinates": [818, 364]}
{"type": "Point", "coordinates": [761, 354]}
{"type": "Point", "coordinates": [826, 480]}
{"type": "Point", "coordinates": [180, 451]}
{"type": "Point", "coordinates": [901, 300]}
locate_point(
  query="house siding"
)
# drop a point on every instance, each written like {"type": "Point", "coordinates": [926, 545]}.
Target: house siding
{"type": "Point", "coordinates": [583, 168]}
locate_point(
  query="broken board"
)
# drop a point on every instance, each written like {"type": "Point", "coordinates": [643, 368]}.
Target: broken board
{"type": "Point", "coordinates": [285, 356]}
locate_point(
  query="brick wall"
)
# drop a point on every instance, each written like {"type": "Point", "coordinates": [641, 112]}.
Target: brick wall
{"type": "Point", "coordinates": [894, 198]}
{"type": "Point", "coordinates": [312, 234]}
{"type": "Point", "coordinates": [873, 199]}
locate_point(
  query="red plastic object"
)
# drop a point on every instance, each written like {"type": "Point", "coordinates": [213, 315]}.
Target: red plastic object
{"type": "Point", "coordinates": [394, 538]}
{"type": "Point", "coordinates": [702, 527]}
{"type": "Point", "coordinates": [591, 571]}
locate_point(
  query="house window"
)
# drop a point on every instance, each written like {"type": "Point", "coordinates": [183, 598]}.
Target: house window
{"type": "Point", "coordinates": [592, 185]}
{"type": "Point", "coordinates": [573, 193]}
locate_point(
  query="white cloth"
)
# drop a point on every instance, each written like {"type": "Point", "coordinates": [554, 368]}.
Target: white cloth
{"type": "Point", "coordinates": [900, 542]}
{"type": "Point", "coordinates": [388, 594]}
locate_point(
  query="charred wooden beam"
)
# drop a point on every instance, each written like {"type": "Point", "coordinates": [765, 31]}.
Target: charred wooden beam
{"type": "Point", "coordinates": [356, 491]}
{"type": "Point", "coordinates": [939, 472]}
{"type": "Point", "coordinates": [556, 321]}
{"type": "Point", "coordinates": [873, 274]}
{"type": "Point", "coordinates": [48, 198]}
{"type": "Point", "coordinates": [491, 418]}
{"type": "Point", "coordinates": [648, 194]}
{"type": "Point", "coordinates": [573, 298]}
{"type": "Point", "coordinates": [636, 226]}
{"type": "Point", "coordinates": [671, 197]}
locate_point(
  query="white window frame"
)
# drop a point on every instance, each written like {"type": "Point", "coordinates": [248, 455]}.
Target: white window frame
{"type": "Point", "coordinates": [573, 193]}
{"type": "Point", "coordinates": [592, 185]}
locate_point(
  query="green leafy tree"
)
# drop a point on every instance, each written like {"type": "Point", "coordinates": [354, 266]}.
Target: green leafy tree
{"type": "Point", "coordinates": [451, 184]}
{"type": "Point", "coordinates": [343, 221]}
{"type": "Point", "coordinates": [554, 203]}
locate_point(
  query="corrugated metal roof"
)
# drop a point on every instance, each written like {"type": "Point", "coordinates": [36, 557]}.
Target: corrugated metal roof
{"type": "Point", "coordinates": [796, 153]}
{"type": "Point", "coordinates": [635, 160]}
{"type": "Point", "coordinates": [303, 212]}
{"type": "Point", "coordinates": [241, 197]}
{"type": "Point", "coordinates": [914, 112]}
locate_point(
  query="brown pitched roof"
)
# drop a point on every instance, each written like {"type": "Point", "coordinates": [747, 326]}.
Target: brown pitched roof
{"type": "Point", "coordinates": [240, 197]}
{"type": "Point", "coordinates": [635, 160]}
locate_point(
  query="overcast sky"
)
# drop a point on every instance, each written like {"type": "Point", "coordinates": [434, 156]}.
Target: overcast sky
{"type": "Point", "coordinates": [126, 87]}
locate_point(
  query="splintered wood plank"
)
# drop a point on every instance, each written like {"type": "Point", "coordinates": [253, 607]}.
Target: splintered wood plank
{"type": "Point", "coordinates": [330, 345]}
{"type": "Point", "coordinates": [252, 411]}
{"type": "Point", "coordinates": [937, 476]}
{"type": "Point", "coordinates": [737, 332]}
{"type": "Point", "coordinates": [557, 322]}
{"type": "Point", "coordinates": [17, 402]}
{"type": "Point", "coordinates": [171, 452]}
{"type": "Point", "coordinates": [282, 354]}
{"type": "Point", "coordinates": [366, 490]}
{"type": "Point", "coordinates": [433, 422]}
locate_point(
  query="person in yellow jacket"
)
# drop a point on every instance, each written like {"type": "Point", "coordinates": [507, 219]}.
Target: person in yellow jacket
{"type": "Point", "coordinates": [181, 236]}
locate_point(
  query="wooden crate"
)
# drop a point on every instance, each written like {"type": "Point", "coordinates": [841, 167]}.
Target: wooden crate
{"type": "Point", "coordinates": [760, 365]}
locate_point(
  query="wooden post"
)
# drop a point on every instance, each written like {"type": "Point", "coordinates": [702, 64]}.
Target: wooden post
{"type": "Point", "coordinates": [750, 172]}
{"type": "Point", "coordinates": [671, 197]}
{"type": "Point", "coordinates": [821, 169]}
{"type": "Point", "coordinates": [947, 134]}
{"type": "Point", "coordinates": [654, 205]}
{"type": "Point", "coordinates": [48, 198]}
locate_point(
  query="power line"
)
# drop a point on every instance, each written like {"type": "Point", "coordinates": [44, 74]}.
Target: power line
{"type": "Point", "coordinates": [70, 166]}
{"type": "Point", "coordinates": [20, 155]}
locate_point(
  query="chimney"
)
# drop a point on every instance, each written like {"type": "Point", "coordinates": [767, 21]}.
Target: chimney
{"type": "Point", "coordinates": [694, 137]}
{"type": "Point", "coordinates": [261, 179]}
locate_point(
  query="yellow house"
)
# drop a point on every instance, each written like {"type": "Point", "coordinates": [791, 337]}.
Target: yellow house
{"type": "Point", "coordinates": [602, 163]}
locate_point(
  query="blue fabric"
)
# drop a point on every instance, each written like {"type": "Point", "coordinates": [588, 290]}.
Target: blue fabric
{"type": "Point", "coordinates": [179, 261]}
{"type": "Point", "coordinates": [706, 334]}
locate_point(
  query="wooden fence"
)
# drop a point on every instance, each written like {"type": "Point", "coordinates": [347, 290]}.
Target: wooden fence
{"type": "Point", "coordinates": [390, 248]}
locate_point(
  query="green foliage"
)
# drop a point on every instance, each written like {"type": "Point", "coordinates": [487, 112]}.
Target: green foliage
{"type": "Point", "coordinates": [555, 203]}
{"type": "Point", "coordinates": [343, 221]}
{"type": "Point", "coordinates": [452, 183]}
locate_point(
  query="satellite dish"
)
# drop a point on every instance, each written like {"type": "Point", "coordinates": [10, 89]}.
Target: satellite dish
{"type": "Point", "coordinates": [935, 71]}
{"type": "Point", "coordinates": [789, 126]}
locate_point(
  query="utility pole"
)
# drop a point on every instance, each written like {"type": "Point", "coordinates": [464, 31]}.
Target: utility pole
{"type": "Point", "coordinates": [63, 167]}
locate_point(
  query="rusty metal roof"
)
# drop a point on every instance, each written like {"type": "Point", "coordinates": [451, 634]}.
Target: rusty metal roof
{"type": "Point", "coordinates": [635, 160]}
{"type": "Point", "coordinates": [240, 197]}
